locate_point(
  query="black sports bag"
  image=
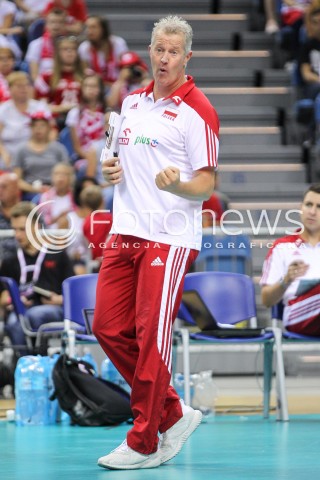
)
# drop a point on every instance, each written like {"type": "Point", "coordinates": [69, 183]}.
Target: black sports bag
{"type": "Point", "coordinates": [89, 400]}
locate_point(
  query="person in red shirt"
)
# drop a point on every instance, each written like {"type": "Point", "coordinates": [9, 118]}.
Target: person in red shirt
{"type": "Point", "coordinates": [87, 124]}
{"type": "Point", "coordinates": [76, 12]}
{"type": "Point", "coordinates": [211, 211]}
{"type": "Point", "coordinates": [97, 224]}
{"type": "Point", "coordinates": [61, 87]}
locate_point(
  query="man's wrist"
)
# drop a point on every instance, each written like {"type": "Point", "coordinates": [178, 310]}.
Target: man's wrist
{"type": "Point", "coordinates": [284, 283]}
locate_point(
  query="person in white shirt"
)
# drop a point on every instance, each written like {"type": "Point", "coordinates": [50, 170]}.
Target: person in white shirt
{"type": "Point", "coordinates": [40, 52]}
{"type": "Point", "coordinates": [29, 10]}
{"type": "Point", "coordinates": [8, 29]}
{"type": "Point", "coordinates": [15, 117]}
{"type": "Point", "coordinates": [291, 271]}
{"type": "Point", "coordinates": [165, 169]}
{"type": "Point", "coordinates": [101, 51]}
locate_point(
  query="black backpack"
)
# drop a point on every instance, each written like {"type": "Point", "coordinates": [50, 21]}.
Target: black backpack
{"type": "Point", "coordinates": [89, 400]}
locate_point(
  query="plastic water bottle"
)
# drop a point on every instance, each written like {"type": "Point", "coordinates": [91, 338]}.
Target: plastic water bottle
{"type": "Point", "coordinates": [87, 357]}
{"type": "Point", "coordinates": [178, 383]}
{"type": "Point", "coordinates": [205, 393]}
{"type": "Point", "coordinates": [110, 373]}
{"type": "Point", "coordinates": [40, 410]}
{"type": "Point", "coordinates": [23, 390]}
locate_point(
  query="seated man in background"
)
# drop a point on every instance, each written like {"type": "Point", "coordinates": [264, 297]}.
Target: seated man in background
{"type": "Point", "coordinates": [291, 271]}
{"type": "Point", "coordinates": [32, 265]}
{"type": "Point", "coordinates": [309, 57]}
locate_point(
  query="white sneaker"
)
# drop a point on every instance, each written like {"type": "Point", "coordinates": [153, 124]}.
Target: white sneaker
{"type": "Point", "coordinates": [173, 439]}
{"type": "Point", "coordinates": [124, 458]}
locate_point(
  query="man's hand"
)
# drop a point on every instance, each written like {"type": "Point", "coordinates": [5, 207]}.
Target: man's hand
{"type": "Point", "coordinates": [112, 171]}
{"type": "Point", "coordinates": [168, 179]}
{"type": "Point", "coordinates": [295, 270]}
{"type": "Point", "coordinates": [55, 299]}
{"type": "Point", "coordinates": [26, 301]}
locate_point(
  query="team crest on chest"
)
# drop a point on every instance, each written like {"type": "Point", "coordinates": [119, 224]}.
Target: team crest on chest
{"type": "Point", "coordinates": [170, 114]}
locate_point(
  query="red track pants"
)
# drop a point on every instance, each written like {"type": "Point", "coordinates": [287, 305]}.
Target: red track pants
{"type": "Point", "coordinates": [138, 296]}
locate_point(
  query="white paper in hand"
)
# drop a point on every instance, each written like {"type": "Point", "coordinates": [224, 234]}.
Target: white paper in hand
{"type": "Point", "coordinates": [112, 145]}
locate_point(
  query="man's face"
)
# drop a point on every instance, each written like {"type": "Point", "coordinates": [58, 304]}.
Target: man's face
{"type": "Point", "coordinates": [168, 59]}
{"type": "Point", "coordinates": [40, 129]}
{"type": "Point", "coordinates": [62, 178]}
{"type": "Point", "coordinates": [6, 62]}
{"type": "Point", "coordinates": [310, 212]}
{"type": "Point", "coordinates": [19, 226]}
{"type": "Point", "coordinates": [55, 24]}
{"type": "Point", "coordinates": [21, 90]}
{"type": "Point", "coordinates": [315, 25]}
{"type": "Point", "coordinates": [9, 190]}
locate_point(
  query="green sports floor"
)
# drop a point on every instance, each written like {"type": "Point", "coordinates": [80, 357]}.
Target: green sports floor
{"type": "Point", "coordinates": [224, 447]}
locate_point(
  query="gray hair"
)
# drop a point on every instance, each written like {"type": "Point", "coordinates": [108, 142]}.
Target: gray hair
{"type": "Point", "coordinates": [174, 25]}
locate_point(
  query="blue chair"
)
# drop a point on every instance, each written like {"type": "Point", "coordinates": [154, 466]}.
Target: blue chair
{"type": "Point", "coordinates": [230, 297]}
{"type": "Point", "coordinates": [50, 329]}
{"type": "Point", "coordinates": [224, 253]}
{"type": "Point", "coordinates": [79, 294]}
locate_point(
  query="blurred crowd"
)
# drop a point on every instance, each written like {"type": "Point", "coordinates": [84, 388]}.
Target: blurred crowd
{"type": "Point", "coordinates": [61, 73]}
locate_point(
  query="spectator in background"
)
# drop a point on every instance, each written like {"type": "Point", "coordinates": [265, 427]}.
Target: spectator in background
{"type": "Point", "coordinates": [79, 185]}
{"type": "Point", "coordinates": [40, 52]}
{"type": "Point", "coordinates": [101, 50]}
{"type": "Point", "coordinates": [211, 211]}
{"type": "Point", "coordinates": [133, 75]}
{"type": "Point", "coordinates": [59, 196]}
{"type": "Point", "coordinates": [10, 195]}
{"type": "Point", "coordinates": [29, 10]}
{"type": "Point", "coordinates": [292, 14]}
{"type": "Point", "coordinates": [78, 251]}
{"type": "Point", "coordinates": [35, 159]}
{"type": "Point", "coordinates": [97, 223]}
{"type": "Point", "coordinates": [61, 87]}
{"type": "Point", "coordinates": [87, 123]}
{"type": "Point", "coordinates": [217, 204]}
{"type": "Point", "coordinates": [76, 12]}
{"type": "Point", "coordinates": [271, 15]}
{"type": "Point", "coordinates": [291, 271]}
{"type": "Point", "coordinates": [8, 31]}
{"type": "Point", "coordinates": [29, 266]}
{"type": "Point", "coordinates": [7, 63]}
{"type": "Point", "coordinates": [15, 117]}
{"type": "Point", "coordinates": [309, 57]}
